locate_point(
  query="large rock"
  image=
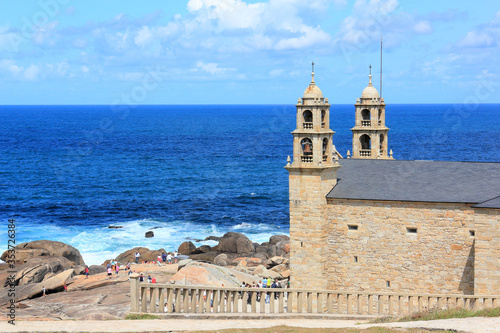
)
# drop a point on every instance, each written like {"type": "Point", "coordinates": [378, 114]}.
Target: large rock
{"type": "Point", "coordinates": [234, 242]}
{"type": "Point", "coordinates": [37, 269]}
{"type": "Point", "coordinates": [42, 248]}
{"type": "Point", "coordinates": [146, 254]}
{"type": "Point", "coordinates": [202, 249]}
{"type": "Point", "coordinates": [96, 269]}
{"type": "Point", "coordinates": [209, 275]}
{"type": "Point", "coordinates": [149, 234]}
{"type": "Point", "coordinates": [221, 260]}
{"type": "Point", "coordinates": [278, 238]}
{"type": "Point", "coordinates": [206, 257]}
{"type": "Point", "coordinates": [281, 249]}
{"type": "Point", "coordinates": [187, 248]}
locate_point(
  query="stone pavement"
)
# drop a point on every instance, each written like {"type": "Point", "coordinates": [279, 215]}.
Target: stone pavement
{"type": "Point", "coordinates": [475, 325]}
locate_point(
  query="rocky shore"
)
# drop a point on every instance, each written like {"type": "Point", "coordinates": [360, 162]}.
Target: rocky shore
{"type": "Point", "coordinates": [59, 269]}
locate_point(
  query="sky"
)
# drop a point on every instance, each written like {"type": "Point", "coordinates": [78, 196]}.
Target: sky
{"type": "Point", "coordinates": [247, 51]}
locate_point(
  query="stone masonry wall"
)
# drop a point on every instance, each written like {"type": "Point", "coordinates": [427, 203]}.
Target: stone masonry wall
{"type": "Point", "coordinates": [487, 263]}
{"type": "Point", "coordinates": [308, 253]}
{"type": "Point", "coordinates": [438, 258]}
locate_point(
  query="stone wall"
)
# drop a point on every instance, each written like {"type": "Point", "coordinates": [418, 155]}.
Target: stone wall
{"type": "Point", "coordinates": [385, 253]}
{"type": "Point", "coordinates": [487, 252]}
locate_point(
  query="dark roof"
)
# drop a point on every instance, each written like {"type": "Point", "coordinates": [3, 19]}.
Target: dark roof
{"type": "Point", "coordinates": [476, 183]}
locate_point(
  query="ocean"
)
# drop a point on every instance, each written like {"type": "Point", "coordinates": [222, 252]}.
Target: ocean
{"type": "Point", "coordinates": [67, 173]}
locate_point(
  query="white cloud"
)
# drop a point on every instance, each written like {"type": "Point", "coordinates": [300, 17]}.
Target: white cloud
{"type": "Point", "coordinates": [144, 37]}
{"type": "Point", "coordinates": [85, 69]}
{"type": "Point", "coordinates": [484, 36]}
{"type": "Point", "coordinates": [19, 72]}
{"type": "Point", "coordinates": [211, 68]}
{"type": "Point", "coordinates": [422, 27]}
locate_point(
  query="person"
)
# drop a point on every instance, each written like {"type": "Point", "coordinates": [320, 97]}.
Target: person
{"type": "Point", "coordinates": [153, 280]}
{"type": "Point", "coordinates": [264, 282]}
{"type": "Point", "coordinates": [175, 256]}
{"type": "Point", "coordinates": [169, 258]}
{"type": "Point", "coordinates": [44, 291]}
{"type": "Point", "coordinates": [129, 272]}
{"type": "Point", "coordinates": [159, 260]}
{"type": "Point", "coordinates": [141, 278]}
{"type": "Point", "coordinates": [86, 272]}
{"type": "Point", "coordinates": [268, 282]}
{"type": "Point", "coordinates": [275, 285]}
{"type": "Point", "coordinates": [164, 257]}
{"type": "Point", "coordinates": [65, 288]}
{"type": "Point", "coordinates": [137, 256]}
{"type": "Point", "coordinates": [127, 268]}
{"type": "Point", "coordinates": [117, 267]}
{"type": "Point", "coordinates": [110, 272]}
{"type": "Point", "coordinates": [149, 278]}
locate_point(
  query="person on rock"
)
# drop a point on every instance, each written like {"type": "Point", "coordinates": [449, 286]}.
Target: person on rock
{"type": "Point", "coordinates": [175, 256]}
{"type": "Point", "coordinates": [86, 272]}
{"type": "Point", "coordinates": [169, 259]}
{"type": "Point", "coordinates": [137, 256]}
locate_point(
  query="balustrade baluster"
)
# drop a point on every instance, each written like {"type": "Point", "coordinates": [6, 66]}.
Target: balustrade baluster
{"type": "Point", "coordinates": [360, 304]}
{"type": "Point", "coordinates": [244, 301]}
{"type": "Point", "coordinates": [253, 301]}
{"type": "Point", "coordinates": [152, 300]}
{"type": "Point", "coordinates": [349, 303]}
{"type": "Point", "coordinates": [161, 301]}
{"type": "Point", "coordinates": [144, 299]}
{"type": "Point", "coordinates": [380, 304]}
{"type": "Point", "coordinates": [309, 302]}
{"type": "Point", "coordinates": [299, 302]}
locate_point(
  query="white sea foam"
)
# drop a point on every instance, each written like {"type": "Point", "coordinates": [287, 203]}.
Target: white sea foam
{"type": "Point", "coordinates": [98, 243]}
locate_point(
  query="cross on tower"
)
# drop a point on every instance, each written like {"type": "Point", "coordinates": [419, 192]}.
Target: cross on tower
{"type": "Point", "coordinates": [313, 66]}
{"type": "Point", "coordinates": [370, 69]}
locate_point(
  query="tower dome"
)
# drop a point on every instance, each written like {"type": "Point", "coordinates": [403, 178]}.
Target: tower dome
{"type": "Point", "coordinates": [370, 91]}
{"type": "Point", "coordinates": [313, 90]}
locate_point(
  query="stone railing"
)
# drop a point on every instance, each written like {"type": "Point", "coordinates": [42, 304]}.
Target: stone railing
{"type": "Point", "coordinates": [306, 158]}
{"type": "Point", "coordinates": [365, 123]}
{"type": "Point", "coordinates": [365, 152]}
{"type": "Point", "coordinates": [308, 125]}
{"type": "Point", "coordinates": [167, 298]}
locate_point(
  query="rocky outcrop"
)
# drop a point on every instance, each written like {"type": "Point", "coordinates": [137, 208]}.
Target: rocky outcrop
{"type": "Point", "coordinates": [209, 275]}
{"type": "Point", "coordinates": [221, 260]}
{"type": "Point", "coordinates": [38, 269]}
{"type": "Point", "coordinates": [146, 255]}
{"type": "Point", "coordinates": [44, 248]}
{"type": "Point", "coordinates": [234, 242]}
{"type": "Point", "coordinates": [96, 269]}
{"type": "Point", "coordinates": [187, 248]}
{"type": "Point", "coordinates": [149, 234]}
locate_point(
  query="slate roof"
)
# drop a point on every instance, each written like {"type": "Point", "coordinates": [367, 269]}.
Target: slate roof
{"type": "Point", "coordinates": [475, 183]}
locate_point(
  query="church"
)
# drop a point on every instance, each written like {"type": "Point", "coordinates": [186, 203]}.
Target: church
{"type": "Point", "coordinates": [369, 222]}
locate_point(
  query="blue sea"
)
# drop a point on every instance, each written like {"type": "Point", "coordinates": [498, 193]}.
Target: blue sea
{"type": "Point", "coordinates": [187, 171]}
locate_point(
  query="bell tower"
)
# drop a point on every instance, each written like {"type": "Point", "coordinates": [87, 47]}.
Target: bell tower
{"type": "Point", "coordinates": [369, 135]}
{"type": "Point", "coordinates": [312, 175]}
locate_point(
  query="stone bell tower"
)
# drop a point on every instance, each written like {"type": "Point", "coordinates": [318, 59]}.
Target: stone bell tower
{"type": "Point", "coordinates": [369, 135]}
{"type": "Point", "coordinates": [312, 174]}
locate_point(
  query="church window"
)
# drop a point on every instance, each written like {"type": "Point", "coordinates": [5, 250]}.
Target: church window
{"type": "Point", "coordinates": [308, 119]}
{"type": "Point", "coordinates": [352, 227]}
{"type": "Point", "coordinates": [325, 149]}
{"type": "Point", "coordinates": [323, 117]}
{"type": "Point", "coordinates": [410, 230]}
{"type": "Point", "coordinates": [365, 143]}
{"type": "Point", "coordinates": [365, 117]}
{"type": "Point", "coordinates": [307, 146]}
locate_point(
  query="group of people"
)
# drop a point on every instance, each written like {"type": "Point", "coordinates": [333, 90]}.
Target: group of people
{"type": "Point", "coordinates": [264, 283]}
{"type": "Point", "coordinates": [149, 279]}
{"type": "Point", "coordinates": [162, 258]}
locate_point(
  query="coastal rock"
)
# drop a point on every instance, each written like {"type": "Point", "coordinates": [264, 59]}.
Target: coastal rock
{"type": "Point", "coordinates": [278, 238]}
{"type": "Point", "coordinates": [43, 248]}
{"type": "Point", "coordinates": [221, 260]}
{"type": "Point", "coordinates": [281, 249]}
{"type": "Point", "coordinates": [115, 227]}
{"type": "Point", "coordinates": [260, 271]}
{"type": "Point", "coordinates": [37, 269]}
{"type": "Point", "coordinates": [234, 242]}
{"type": "Point", "coordinates": [149, 234]}
{"type": "Point", "coordinates": [209, 275]}
{"type": "Point", "coordinates": [285, 274]}
{"type": "Point", "coordinates": [206, 257]}
{"type": "Point", "coordinates": [277, 261]}
{"type": "Point", "coordinates": [184, 262]}
{"type": "Point", "coordinates": [146, 255]}
{"type": "Point", "coordinates": [187, 248]}
{"type": "Point", "coordinates": [279, 269]}
{"type": "Point", "coordinates": [261, 249]}
{"type": "Point", "coordinates": [214, 238]}
{"type": "Point", "coordinates": [202, 249]}
{"type": "Point", "coordinates": [96, 269]}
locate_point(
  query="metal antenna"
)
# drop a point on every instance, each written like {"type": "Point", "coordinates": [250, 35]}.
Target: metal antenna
{"type": "Point", "coordinates": [380, 68]}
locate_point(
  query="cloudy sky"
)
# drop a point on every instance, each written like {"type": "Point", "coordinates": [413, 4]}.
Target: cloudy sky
{"type": "Point", "coordinates": [246, 51]}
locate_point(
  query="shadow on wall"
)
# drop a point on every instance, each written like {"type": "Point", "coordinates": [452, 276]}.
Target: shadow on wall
{"type": "Point", "coordinates": [466, 285]}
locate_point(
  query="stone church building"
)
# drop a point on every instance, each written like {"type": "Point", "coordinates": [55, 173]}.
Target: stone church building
{"type": "Point", "coordinates": [374, 223]}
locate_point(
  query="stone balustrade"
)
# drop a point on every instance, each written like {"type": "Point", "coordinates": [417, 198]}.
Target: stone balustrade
{"type": "Point", "coordinates": [168, 298]}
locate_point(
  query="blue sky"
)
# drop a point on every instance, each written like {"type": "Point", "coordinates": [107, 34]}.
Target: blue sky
{"type": "Point", "coordinates": [246, 52]}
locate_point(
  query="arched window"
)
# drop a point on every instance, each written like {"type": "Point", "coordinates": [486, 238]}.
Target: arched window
{"type": "Point", "coordinates": [380, 117]}
{"type": "Point", "coordinates": [381, 142]}
{"type": "Point", "coordinates": [325, 149]}
{"type": "Point", "coordinates": [364, 140]}
{"type": "Point", "coordinates": [365, 114]}
{"type": "Point", "coordinates": [323, 117]}
{"type": "Point", "coordinates": [307, 146]}
{"type": "Point", "coordinates": [308, 119]}
{"type": "Point", "coordinates": [365, 117]}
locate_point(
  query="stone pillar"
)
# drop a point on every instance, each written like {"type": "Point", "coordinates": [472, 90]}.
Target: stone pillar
{"type": "Point", "coordinates": [134, 292]}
